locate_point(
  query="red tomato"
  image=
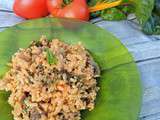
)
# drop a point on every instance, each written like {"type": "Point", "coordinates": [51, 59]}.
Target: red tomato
{"type": "Point", "coordinates": [30, 8]}
{"type": "Point", "coordinates": [77, 9]}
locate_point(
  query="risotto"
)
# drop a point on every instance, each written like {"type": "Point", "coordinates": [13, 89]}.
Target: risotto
{"type": "Point", "coordinates": [51, 80]}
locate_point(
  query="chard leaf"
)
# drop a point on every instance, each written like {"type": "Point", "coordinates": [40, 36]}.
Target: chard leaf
{"type": "Point", "coordinates": [144, 10]}
{"type": "Point", "coordinates": [148, 15]}
{"type": "Point", "coordinates": [113, 14]}
{"type": "Point", "coordinates": [152, 26]}
{"type": "Point", "coordinates": [157, 7]}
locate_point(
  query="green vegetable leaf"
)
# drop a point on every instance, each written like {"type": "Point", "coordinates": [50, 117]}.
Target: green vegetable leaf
{"type": "Point", "coordinates": [113, 14]}
{"type": "Point", "coordinates": [50, 57]}
{"type": "Point", "coordinates": [152, 26]}
{"type": "Point", "coordinates": [127, 9]}
{"type": "Point", "coordinates": [92, 2]}
{"type": "Point", "coordinates": [148, 15]}
{"type": "Point", "coordinates": [95, 14]}
{"type": "Point", "coordinates": [116, 13]}
{"type": "Point", "coordinates": [144, 10]}
{"type": "Point", "coordinates": [157, 7]}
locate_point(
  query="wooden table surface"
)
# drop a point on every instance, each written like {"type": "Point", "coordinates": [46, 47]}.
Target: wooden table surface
{"type": "Point", "coordinates": [145, 49]}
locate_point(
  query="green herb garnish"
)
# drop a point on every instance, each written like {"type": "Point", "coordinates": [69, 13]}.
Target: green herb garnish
{"type": "Point", "coordinates": [50, 57]}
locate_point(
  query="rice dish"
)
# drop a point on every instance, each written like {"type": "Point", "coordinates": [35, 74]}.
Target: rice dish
{"type": "Point", "coordinates": [51, 80]}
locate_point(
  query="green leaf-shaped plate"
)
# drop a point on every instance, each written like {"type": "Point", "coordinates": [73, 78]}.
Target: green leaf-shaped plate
{"type": "Point", "coordinates": [119, 97]}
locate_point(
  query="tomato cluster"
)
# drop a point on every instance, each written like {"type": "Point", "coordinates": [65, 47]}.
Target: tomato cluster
{"type": "Point", "coordinates": [31, 9]}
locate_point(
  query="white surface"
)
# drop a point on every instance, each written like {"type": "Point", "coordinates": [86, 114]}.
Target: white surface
{"type": "Point", "coordinates": [6, 4]}
{"type": "Point", "coordinates": [8, 19]}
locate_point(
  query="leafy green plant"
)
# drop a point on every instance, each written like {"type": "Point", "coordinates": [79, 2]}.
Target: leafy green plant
{"type": "Point", "coordinates": [113, 14]}
{"type": "Point", "coordinates": [116, 11]}
{"type": "Point", "coordinates": [148, 15]}
{"type": "Point", "coordinates": [152, 26]}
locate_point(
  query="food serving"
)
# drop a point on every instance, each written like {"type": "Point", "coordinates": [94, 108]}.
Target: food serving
{"type": "Point", "coordinates": [51, 80]}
